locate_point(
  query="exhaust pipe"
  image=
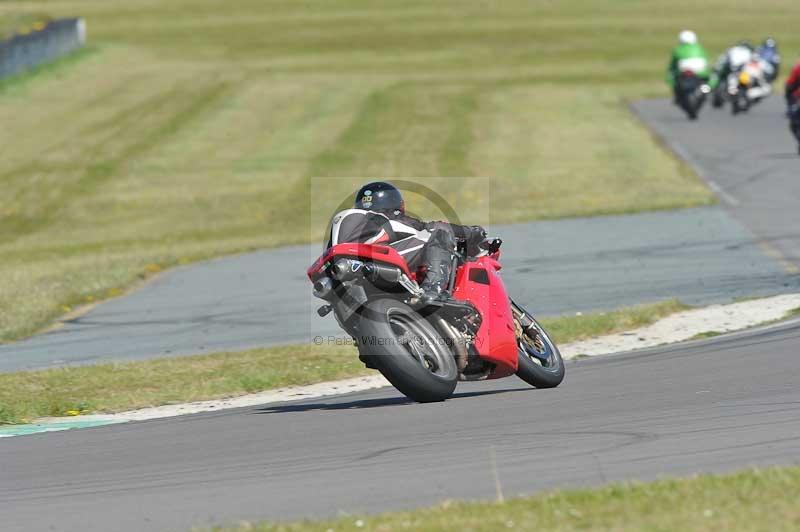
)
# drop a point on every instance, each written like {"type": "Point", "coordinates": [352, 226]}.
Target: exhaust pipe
{"type": "Point", "coordinates": [323, 288]}
{"type": "Point", "coordinates": [346, 269]}
{"type": "Point", "coordinates": [382, 276]}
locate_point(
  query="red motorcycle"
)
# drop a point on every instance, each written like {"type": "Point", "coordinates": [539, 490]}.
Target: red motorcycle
{"type": "Point", "coordinates": [424, 348]}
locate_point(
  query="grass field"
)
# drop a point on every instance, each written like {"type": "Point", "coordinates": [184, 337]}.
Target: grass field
{"type": "Point", "coordinates": [20, 22]}
{"type": "Point", "coordinates": [25, 396]}
{"type": "Point", "coordinates": [193, 128]}
{"type": "Point", "coordinates": [748, 501]}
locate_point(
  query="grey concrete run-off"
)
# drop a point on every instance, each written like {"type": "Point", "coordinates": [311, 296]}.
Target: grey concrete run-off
{"type": "Point", "coordinates": [750, 159]}
{"type": "Point", "coordinates": [58, 38]}
{"type": "Point", "coordinates": [713, 407]}
{"type": "Point", "coordinates": [698, 255]}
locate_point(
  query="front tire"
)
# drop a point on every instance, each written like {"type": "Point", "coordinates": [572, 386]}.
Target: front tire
{"type": "Point", "coordinates": [540, 362]}
{"type": "Point", "coordinates": [408, 350]}
{"type": "Point", "coordinates": [741, 103]}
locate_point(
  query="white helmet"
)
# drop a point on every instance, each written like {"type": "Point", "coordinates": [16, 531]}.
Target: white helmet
{"type": "Point", "coordinates": [687, 37]}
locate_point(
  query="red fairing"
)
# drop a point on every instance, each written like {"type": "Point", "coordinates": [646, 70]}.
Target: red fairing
{"type": "Point", "coordinates": [479, 283]}
{"type": "Point", "coordinates": [793, 83]}
{"type": "Point", "coordinates": [366, 252]}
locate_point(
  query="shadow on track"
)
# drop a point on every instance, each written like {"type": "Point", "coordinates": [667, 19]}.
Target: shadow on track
{"type": "Point", "coordinates": [371, 403]}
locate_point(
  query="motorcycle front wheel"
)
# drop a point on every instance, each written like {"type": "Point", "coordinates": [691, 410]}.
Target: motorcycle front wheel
{"type": "Point", "coordinates": [540, 362]}
{"type": "Point", "coordinates": [408, 350]}
{"type": "Point", "coordinates": [740, 104]}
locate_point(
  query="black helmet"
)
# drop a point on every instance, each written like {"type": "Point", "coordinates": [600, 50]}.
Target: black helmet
{"type": "Point", "coordinates": [380, 196]}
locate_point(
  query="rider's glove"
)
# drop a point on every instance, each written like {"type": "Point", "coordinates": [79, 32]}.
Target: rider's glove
{"type": "Point", "coordinates": [477, 234]}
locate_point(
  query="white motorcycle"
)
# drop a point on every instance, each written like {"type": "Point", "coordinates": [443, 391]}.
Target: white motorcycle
{"type": "Point", "coordinates": [747, 86]}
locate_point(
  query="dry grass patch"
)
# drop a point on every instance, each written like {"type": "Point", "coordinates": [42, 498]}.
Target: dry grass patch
{"type": "Point", "coordinates": [126, 386]}
{"type": "Point", "coordinates": [748, 501]}
{"type": "Point", "coordinates": [13, 23]}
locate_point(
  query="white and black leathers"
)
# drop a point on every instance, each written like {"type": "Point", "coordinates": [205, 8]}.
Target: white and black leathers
{"type": "Point", "coordinates": [424, 245]}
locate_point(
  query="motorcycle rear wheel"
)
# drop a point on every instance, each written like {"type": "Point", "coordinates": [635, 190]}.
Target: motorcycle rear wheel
{"type": "Point", "coordinates": [408, 350]}
{"type": "Point", "coordinates": [692, 105]}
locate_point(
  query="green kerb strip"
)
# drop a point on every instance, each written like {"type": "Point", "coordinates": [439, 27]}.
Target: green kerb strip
{"type": "Point", "coordinates": [34, 428]}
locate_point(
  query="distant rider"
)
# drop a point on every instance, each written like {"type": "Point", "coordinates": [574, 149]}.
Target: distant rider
{"type": "Point", "coordinates": [739, 58]}
{"type": "Point", "coordinates": [687, 56]}
{"type": "Point", "coordinates": [793, 101]}
{"type": "Point", "coordinates": [733, 60]}
{"type": "Point", "coordinates": [770, 57]}
{"type": "Point", "coordinates": [379, 217]}
{"type": "Point", "coordinates": [793, 90]}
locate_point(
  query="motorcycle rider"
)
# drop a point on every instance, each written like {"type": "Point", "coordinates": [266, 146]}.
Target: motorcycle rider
{"type": "Point", "coordinates": [733, 60]}
{"type": "Point", "coordinates": [770, 58]}
{"type": "Point", "coordinates": [793, 89]}
{"type": "Point", "coordinates": [689, 56]}
{"type": "Point", "coordinates": [737, 58]}
{"type": "Point", "coordinates": [379, 217]}
{"type": "Point", "coordinates": [793, 101]}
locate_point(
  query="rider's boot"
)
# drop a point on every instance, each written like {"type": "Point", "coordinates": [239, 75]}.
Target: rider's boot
{"type": "Point", "coordinates": [437, 261]}
{"type": "Point", "coordinates": [435, 284]}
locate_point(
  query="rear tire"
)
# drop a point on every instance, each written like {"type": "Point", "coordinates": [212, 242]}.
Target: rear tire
{"type": "Point", "coordinates": [693, 104]}
{"type": "Point", "coordinates": [408, 350]}
{"type": "Point", "coordinates": [688, 107]}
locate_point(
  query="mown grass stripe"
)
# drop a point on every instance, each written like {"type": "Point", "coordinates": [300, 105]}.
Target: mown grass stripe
{"type": "Point", "coordinates": [115, 129]}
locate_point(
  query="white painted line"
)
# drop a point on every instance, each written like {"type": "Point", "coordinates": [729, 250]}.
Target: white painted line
{"type": "Point", "coordinates": [719, 191]}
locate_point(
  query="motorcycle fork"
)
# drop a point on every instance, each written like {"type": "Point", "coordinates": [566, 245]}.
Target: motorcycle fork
{"type": "Point", "coordinates": [521, 314]}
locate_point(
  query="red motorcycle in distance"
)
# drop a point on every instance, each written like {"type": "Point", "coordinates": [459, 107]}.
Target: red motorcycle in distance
{"type": "Point", "coordinates": [794, 123]}
{"type": "Point", "coordinates": [422, 348]}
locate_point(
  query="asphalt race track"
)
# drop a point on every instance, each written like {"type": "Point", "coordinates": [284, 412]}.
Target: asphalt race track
{"type": "Point", "coordinates": [749, 160]}
{"type": "Point", "coordinates": [715, 406]}
{"type": "Point", "coordinates": [699, 256]}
